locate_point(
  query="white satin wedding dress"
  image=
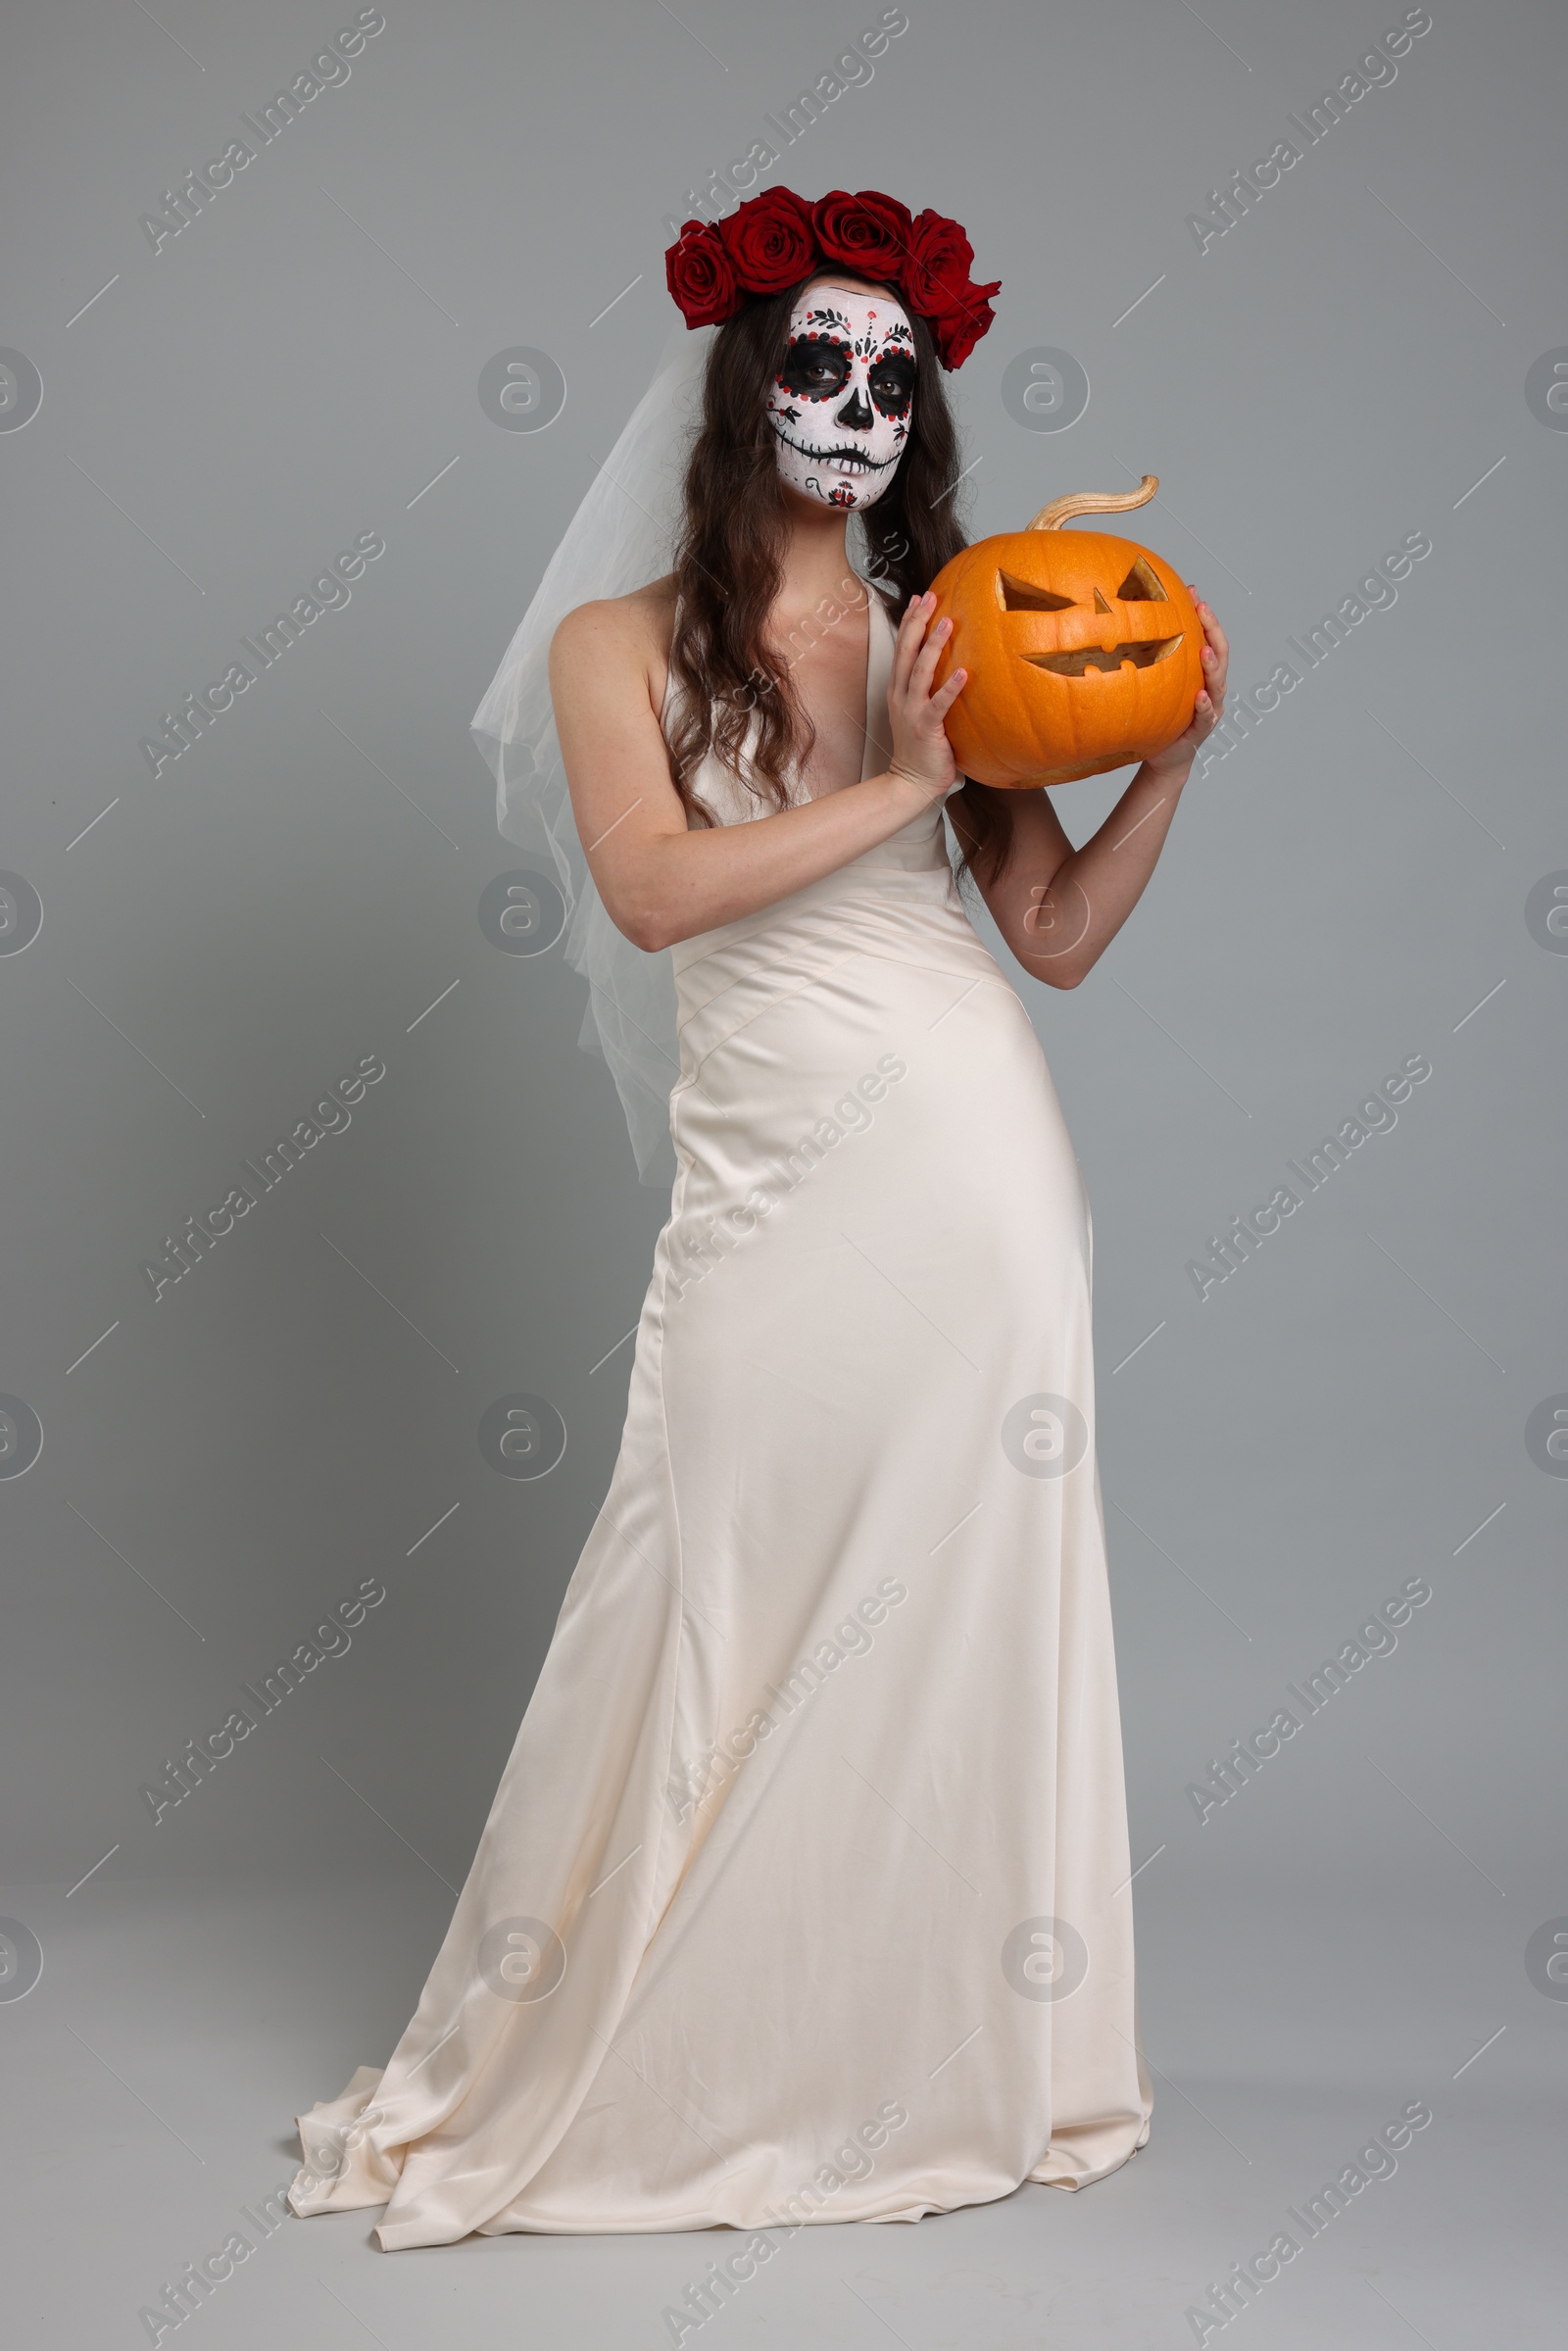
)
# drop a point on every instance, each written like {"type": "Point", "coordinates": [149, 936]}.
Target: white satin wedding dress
{"type": "Point", "coordinates": [804, 1894]}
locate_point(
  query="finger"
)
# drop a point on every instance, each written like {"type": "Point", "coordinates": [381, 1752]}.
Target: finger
{"type": "Point", "coordinates": [917, 614]}
{"type": "Point", "coordinates": [908, 627]}
{"type": "Point", "coordinates": [943, 700]}
{"type": "Point", "coordinates": [903, 643]}
{"type": "Point", "coordinates": [930, 653]}
{"type": "Point", "coordinates": [911, 630]}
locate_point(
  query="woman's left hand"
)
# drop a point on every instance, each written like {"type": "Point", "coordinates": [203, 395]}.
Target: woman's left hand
{"type": "Point", "coordinates": [1209, 707]}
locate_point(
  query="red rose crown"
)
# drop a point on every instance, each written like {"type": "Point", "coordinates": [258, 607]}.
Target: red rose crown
{"type": "Point", "coordinates": [776, 239]}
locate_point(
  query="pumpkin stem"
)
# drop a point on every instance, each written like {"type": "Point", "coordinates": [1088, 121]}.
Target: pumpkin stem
{"type": "Point", "coordinates": [1093, 502]}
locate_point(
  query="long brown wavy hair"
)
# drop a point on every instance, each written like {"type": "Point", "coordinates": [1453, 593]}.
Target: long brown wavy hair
{"type": "Point", "coordinates": [729, 566]}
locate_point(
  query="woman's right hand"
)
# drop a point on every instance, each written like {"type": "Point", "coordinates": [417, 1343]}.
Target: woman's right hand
{"type": "Point", "coordinates": [921, 753]}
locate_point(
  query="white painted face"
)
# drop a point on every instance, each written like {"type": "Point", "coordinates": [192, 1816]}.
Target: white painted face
{"type": "Point", "coordinates": [842, 401]}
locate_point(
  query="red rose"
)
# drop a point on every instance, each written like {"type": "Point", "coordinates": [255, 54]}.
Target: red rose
{"type": "Point", "coordinates": [868, 233]}
{"type": "Point", "coordinates": [697, 273]}
{"type": "Point", "coordinates": [941, 258]}
{"type": "Point", "coordinates": [938, 285]}
{"type": "Point", "coordinates": [958, 329]}
{"type": "Point", "coordinates": [771, 241]}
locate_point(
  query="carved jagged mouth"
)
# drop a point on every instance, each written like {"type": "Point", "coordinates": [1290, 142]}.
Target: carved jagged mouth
{"type": "Point", "coordinates": [1143, 653]}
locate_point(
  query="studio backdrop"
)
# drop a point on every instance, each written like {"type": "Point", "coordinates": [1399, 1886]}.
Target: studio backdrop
{"type": "Point", "coordinates": [325, 1240]}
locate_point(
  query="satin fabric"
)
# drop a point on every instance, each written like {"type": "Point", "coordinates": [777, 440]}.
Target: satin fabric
{"type": "Point", "coordinates": [804, 1894]}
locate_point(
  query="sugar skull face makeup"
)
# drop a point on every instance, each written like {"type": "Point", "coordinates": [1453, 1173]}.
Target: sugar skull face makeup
{"type": "Point", "coordinates": [842, 401]}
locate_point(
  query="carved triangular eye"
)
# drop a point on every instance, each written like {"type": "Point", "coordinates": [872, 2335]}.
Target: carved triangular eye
{"type": "Point", "coordinates": [1142, 586]}
{"type": "Point", "coordinates": [1021, 595]}
{"type": "Point", "coordinates": [1100, 605]}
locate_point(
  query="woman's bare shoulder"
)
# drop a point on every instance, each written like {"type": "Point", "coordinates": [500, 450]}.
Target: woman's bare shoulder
{"type": "Point", "coordinates": [631, 631]}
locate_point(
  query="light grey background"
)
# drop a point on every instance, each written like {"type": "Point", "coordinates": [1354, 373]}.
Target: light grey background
{"type": "Point", "coordinates": [1345, 366]}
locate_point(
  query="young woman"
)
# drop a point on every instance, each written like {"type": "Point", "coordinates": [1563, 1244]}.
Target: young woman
{"type": "Point", "coordinates": [805, 1893]}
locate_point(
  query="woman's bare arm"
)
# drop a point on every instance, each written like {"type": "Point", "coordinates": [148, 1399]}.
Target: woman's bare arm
{"type": "Point", "coordinates": [662, 882]}
{"type": "Point", "coordinates": [1059, 907]}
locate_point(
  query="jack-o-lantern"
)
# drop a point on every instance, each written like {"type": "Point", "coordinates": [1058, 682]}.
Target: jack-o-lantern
{"type": "Point", "coordinates": [1084, 651]}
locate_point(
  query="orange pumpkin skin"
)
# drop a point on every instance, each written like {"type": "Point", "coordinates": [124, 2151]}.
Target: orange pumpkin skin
{"type": "Point", "coordinates": [1038, 707]}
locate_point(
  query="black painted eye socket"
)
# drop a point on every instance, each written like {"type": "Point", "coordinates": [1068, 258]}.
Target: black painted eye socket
{"type": "Point", "coordinates": [892, 383]}
{"type": "Point", "coordinates": [814, 368]}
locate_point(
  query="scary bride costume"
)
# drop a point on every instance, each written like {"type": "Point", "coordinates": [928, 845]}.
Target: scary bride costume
{"type": "Point", "coordinates": [805, 1895]}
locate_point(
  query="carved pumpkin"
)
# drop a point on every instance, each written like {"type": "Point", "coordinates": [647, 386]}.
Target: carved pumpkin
{"type": "Point", "coordinates": [1083, 650]}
